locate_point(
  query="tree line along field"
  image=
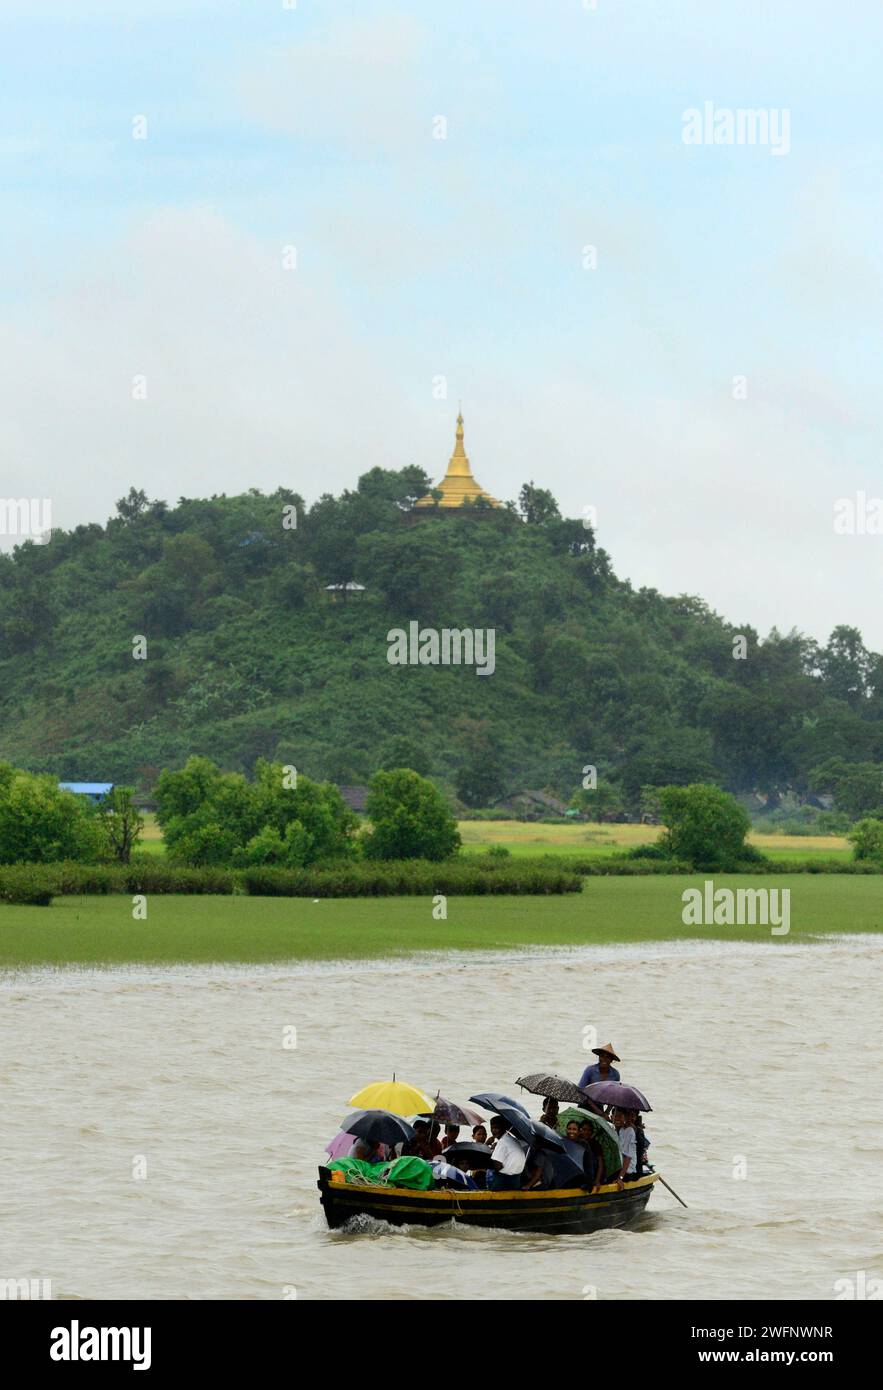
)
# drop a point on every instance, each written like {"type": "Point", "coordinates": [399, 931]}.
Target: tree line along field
{"type": "Point", "coordinates": [100, 931]}
{"type": "Point", "coordinates": [529, 839]}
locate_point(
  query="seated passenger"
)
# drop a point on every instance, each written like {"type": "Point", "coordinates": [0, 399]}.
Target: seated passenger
{"type": "Point", "coordinates": [642, 1139]}
{"type": "Point", "coordinates": [625, 1133]}
{"type": "Point", "coordinates": [498, 1129]}
{"type": "Point", "coordinates": [507, 1165]}
{"type": "Point", "coordinates": [593, 1161]}
{"type": "Point", "coordinates": [452, 1133]}
{"type": "Point", "coordinates": [422, 1145]}
{"type": "Point", "coordinates": [550, 1112]}
{"type": "Point", "coordinates": [369, 1150]}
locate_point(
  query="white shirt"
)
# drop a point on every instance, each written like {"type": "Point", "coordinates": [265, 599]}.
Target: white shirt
{"type": "Point", "coordinates": [511, 1154]}
{"type": "Point", "coordinates": [628, 1147]}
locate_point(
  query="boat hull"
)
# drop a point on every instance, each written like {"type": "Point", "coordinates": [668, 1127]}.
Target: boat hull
{"type": "Point", "coordinates": [554, 1212]}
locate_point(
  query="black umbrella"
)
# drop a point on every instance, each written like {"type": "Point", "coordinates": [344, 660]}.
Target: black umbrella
{"type": "Point", "coordinates": [541, 1083]}
{"type": "Point", "coordinates": [379, 1126]}
{"type": "Point", "coordinates": [468, 1156]}
{"type": "Point", "coordinates": [492, 1100]}
{"type": "Point", "coordinates": [574, 1150]}
{"type": "Point", "coordinates": [560, 1171]}
{"type": "Point", "coordinates": [520, 1123]}
{"type": "Point", "coordinates": [546, 1137]}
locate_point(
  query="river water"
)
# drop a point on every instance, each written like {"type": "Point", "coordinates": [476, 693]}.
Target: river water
{"type": "Point", "coordinates": [159, 1134]}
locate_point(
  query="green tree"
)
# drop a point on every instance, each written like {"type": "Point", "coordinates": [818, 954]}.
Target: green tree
{"type": "Point", "coordinates": [409, 818]}
{"type": "Point", "coordinates": [411, 569]}
{"type": "Point", "coordinates": [846, 664]}
{"type": "Point", "coordinates": [404, 751]}
{"type": "Point", "coordinates": [537, 505]}
{"type": "Point", "coordinates": [479, 778]}
{"type": "Point", "coordinates": [325, 822]}
{"type": "Point", "coordinates": [40, 823]}
{"type": "Point", "coordinates": [866, 838]}
{"type": "Point", "coordinates": [214, 817]}
{"type": "Point", "coordinates": [704, 826]}
{"type": "Point", "coordinates": [602, 803]}
{"type": "Point", "coordinates": [121, 823]}
{"type": "Point", "coordinates": [857, 788]}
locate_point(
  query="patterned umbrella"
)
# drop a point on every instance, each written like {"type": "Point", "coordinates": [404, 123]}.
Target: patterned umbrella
{"type": "Point", "coordinates": [615, 1093]}
{"type": "Point", "coordinates": [448, 1113]}
{"type": "Point", "coordinates": [442, 1171]}
{"type": "Point", "coordinates": [541, 1083]}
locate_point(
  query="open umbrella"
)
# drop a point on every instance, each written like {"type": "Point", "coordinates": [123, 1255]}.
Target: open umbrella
{"type": "Point", "coordinates": [379, 1126]}
{"type": "Point", "coordinates": [560, 1170]}
{"type": "Point", "coordinates": [521, 1125]}
{"type": "Point", "coordinates": [396, 1096]}
{"type": "Point", "coordinates": [615, 1093]}
{"type": "Point", "coordinates": [492, 1100]}
{"type": "Point", "coordinates": [541, 1083]}
{"type": "Point", "coordinates": [448, 1113]}
{"type": "Point", "coordinates": [341, 1146]}
{"type": "Point", "coordinates": [469, 1155]}
{"type": "Point", "coordinates": [546, 1137]}
{"type": "Point", "coordinates": [447, 1172]}
{"type": "Point", "coordinates": [602, 1130]}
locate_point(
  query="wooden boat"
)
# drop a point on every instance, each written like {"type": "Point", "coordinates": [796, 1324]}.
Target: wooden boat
{"type": "Point", "coordinates": [551, 1212]}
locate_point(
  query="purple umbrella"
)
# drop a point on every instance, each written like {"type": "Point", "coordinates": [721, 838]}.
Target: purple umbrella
{"type": "Point", "coordinates": [615, 1093]}
{"type": "Point", "coordinates": [341, 1145]}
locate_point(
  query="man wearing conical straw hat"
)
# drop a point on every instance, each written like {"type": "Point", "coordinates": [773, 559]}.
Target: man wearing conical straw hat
{"type": "Point", "coordinates": [603, 1069]}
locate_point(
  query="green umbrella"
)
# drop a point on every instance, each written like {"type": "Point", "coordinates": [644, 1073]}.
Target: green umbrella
{"type": "Point", "coordinates": [603, 1131]}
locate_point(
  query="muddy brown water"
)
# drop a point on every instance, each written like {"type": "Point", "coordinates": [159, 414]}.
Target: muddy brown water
{"type": "Point", "coordinates": [158, 1139]}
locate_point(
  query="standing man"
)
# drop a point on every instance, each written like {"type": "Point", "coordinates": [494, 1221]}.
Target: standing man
{"type": "Point", "coordinates": [603, 1069]}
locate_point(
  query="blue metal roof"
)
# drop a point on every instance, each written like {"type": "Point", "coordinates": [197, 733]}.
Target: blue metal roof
{"type": "Point", "coordinates": [87, 788]}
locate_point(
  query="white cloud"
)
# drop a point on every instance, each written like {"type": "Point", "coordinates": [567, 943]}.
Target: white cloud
{"type": "Point", "coordinates": [358, 87]}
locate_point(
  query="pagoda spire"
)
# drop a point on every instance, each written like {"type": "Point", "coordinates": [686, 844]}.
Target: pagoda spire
{"type": "Point", "coordinates": [458, 485]}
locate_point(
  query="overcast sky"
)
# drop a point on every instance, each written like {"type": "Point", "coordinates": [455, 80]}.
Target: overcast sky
{"type": "Point", "coordinates": [420, 259]}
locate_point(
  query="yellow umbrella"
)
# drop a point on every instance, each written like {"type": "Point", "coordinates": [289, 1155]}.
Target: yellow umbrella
{"type": "Point", "coordinates": [396, 1096]}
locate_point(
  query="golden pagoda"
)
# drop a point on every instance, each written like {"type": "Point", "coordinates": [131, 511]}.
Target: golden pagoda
{"type": "Point", "coordinates": [458, 485]}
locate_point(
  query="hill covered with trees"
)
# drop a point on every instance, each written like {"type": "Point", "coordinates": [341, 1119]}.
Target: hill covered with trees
{"type": "Point", "coordinates": [248, 656]}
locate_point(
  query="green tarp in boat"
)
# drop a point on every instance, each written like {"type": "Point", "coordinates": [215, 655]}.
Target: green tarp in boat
{"type": "Point", "coordinates": [409, 1172]}
{"type": "Point", "coordinates": [358, 1168]}
{"type": "Point", "coordinates": [397, 1172]}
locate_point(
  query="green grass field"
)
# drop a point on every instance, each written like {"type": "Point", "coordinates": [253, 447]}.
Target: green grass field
{"type": "Point", "coordinates": [101, 931]}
